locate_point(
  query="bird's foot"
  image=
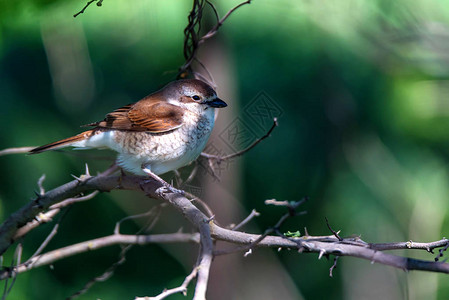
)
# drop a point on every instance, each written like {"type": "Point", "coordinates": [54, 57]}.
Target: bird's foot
{"type": "Point", "coordinates": [167, 189]}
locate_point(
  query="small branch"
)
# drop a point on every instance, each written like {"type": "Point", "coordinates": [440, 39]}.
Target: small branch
{"type": "Point", "coordinates": [329, 245]}
{"type": "Point", "coordinates": [17, 150]}
{"type": "Point", "coordinates": [73, 200]}
{"type": "Point", "coordinates": [15, 261]}
{"type": "Point", "coordinates": [99, 3]}
{"type": "Point", "coordinates": [251, 216]}
{"type": "Point", "coordinates": [44, 244]}
{"type": "Point", "coordinates": [334, 266]}
{"type": "Point", "coordinates": [239, 153]}
{"type": "Point", "coordinates": [429, 247]}
{"type": "Point", "coordinates": [180, 289]}
{"type": "Point", "coordinates": [115, 239]}
{"type": "Point", "coordinates": [197, 200]}
{"type": "Point", "coordinates": [441, 251]}
{"type": "Point", "coordinates": [214, 30]}
{"type": "Point", "coordinates": [192, 38]}
{"type": "Point", "coordinates": [333, 231]}
{"type": "Point", "coordinates": [41, 218]}
{"type": "Point", "coordinates": [291, 206]}
{"type": "Point", "coordinates": [40, 183]}
{"type": "Point", "coordinates": [155, 212]}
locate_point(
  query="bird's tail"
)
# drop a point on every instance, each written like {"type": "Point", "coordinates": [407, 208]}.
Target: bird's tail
{"type": "Point", "coordinates": [71, 141]}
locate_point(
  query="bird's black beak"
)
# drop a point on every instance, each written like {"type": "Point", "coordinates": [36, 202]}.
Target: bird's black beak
{"type": "Point", "coordinates": [217, 103]}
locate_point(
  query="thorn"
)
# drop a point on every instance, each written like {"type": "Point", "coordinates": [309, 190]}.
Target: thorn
{"type": "Point", "coordinates": [306, 233]}
{"type": "Point", "coordinates": [84, 177]}
{"type": "Point", "coordinates": [250, 251]}
{"type": "Point", "coordinates": [87, 173]}
{"type": "Point", "coordinates": [322, 252]}
{"type": "Point", "coordinates": [40, 185]}
{"type": "Point", "coordinates": [77, 178]}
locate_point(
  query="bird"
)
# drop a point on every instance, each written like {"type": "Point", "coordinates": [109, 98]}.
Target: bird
{"type": "Point", "coordinates": [162, 132]}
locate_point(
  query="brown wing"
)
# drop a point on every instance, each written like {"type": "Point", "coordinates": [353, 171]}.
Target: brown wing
{"type": "Point", "coordinates": [152, 116]}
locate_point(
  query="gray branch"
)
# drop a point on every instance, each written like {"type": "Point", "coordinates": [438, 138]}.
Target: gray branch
{"type": "Point", "coordinates": [208, 231]}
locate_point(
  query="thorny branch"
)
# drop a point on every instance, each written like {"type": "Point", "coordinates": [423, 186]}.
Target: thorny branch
{"type": "Point", "coordinates": [323, 245]}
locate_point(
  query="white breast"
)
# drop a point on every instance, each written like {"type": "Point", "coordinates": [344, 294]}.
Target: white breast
{"type": "Point", "coordinates": [162, 152]}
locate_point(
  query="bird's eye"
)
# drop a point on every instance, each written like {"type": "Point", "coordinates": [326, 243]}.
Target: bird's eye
{"type": "Point", "coordinates": [196, 97]}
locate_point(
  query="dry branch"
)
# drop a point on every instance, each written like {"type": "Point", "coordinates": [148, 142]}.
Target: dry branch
{"type": "Point", "coordinates": [207, 229]}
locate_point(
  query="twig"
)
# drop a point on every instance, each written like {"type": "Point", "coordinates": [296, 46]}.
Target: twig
{"type": "Point", "coordinates": [214, 30]}
{"type": "Point", "coordinates": [333, 231]}
{"type": "Point", "coordinates": [124, 248]}
{"type": "Point", "coordinates": [192, 39]}
{"type": "Point", "coordinates": [334, 266]}
{"type": "Point", "coordinates": [99, 3]}
{"type": "Point", "coordinates": [39, 219]}
{"type": "Point", "coordinates": [15, 261]}
{"type": "Point", "coordinates": [47, 240]}
{"type": "Point", "coordinates": [73, 200]}
{"type": "Point", "coordinates": [239, 153]}
{"type": "Point", "coordinates": [441, 251]}
{"type": "Point", "coordinates": [206, 208]}
{"type": "Point", "coordinates": [180, 289]}
{"type": "Point", "coordinates": [291, 206]}
{"type": "Point", "coordinates": [15, 150]}
{"type": "Point", "coordinates": [251, 216]}
{"type": "Point", "coordinates": [40, 183]}
{"type": "Point", "coordinates": [115, 239]}
{"type": "Point", "coordinates": [410, 245]}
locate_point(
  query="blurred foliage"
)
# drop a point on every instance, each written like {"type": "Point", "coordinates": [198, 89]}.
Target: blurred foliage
{"type": "Point", "coordinates": [363, 89]}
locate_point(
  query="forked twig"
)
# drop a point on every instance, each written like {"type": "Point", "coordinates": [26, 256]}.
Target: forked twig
{"type": "Point", "coordinates": [99, 3]}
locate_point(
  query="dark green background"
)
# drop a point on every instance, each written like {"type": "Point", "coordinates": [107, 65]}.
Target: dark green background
{"type": "Point", "coordinates": [364, 94]}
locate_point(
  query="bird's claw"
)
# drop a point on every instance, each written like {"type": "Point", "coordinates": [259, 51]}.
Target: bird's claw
{"type": "Point", "coordinates": [167, 189]}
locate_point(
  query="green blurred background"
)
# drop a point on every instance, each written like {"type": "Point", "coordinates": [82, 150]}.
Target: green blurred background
{"type": "Point", "coordinates": [362, 93]}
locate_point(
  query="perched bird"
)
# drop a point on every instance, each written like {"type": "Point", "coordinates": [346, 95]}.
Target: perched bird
{"type": "Point", "coordinates": [160, 133]}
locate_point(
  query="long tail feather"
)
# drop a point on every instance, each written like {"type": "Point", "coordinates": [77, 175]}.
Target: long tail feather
{"type": "Point", "coordinates": [62, 143]}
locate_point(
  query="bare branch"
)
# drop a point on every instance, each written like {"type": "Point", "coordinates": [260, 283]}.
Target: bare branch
{"type": "Point", "coordinates": [240, 153]}
{"type": "Point", "coordinates": [251, 216]}
{"type": "Point", "coordinates": [115, 239]}
{"type": "Point", "coordinates": [192, 38]}
{"type": "Point", "coordinates": [17, 150]}
{"type": "Point", "coordinates": [73, 200]}
{"type": "Point", "coordinates": [180, 289]}
{"type": "Point", "coordinates": [99, 3]}
{"type": "Point", "coordinates": [334, 266]}
{"type": "Point", "coordinates": [39, 219]}
{"type": "Point", "coordinates": [15, 261]}
{"type": "Point", "coordinates": [214, 30]}
{"type": "Point", "coordinates": [441, 251]}
{"type": "Point", "coordinates": [47, 240]}
{"type": "Point", "coordinates": [40, 183]}
{"type": "Point", "coordinates": [333, 231]}
{"type": "Point", "coordinates": [411, 245]}
{"type": "Point", "coordinates": [330, 245]}
{"type": "Point", "coordinates": [124, 248]}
